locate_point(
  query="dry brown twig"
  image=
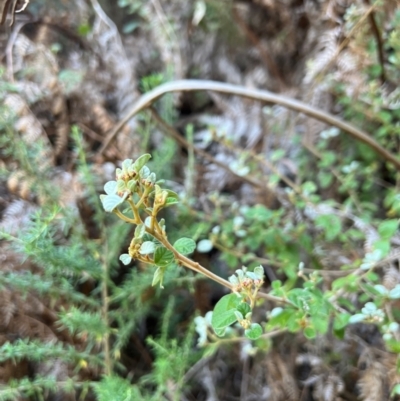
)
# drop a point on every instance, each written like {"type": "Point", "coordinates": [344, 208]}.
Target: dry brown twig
{"type": "Point", "coordinates": [149, 98]}
{"type": "Point", "coordinates": [13, 4]}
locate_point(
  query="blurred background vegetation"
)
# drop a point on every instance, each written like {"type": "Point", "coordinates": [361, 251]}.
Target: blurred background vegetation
{"type": "Point", "coordinates": [277, 188]}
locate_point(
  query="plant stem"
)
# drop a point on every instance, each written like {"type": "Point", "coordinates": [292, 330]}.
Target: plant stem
{"type": "Point", "coordinates": [135, 212]}
{"type": "Point", "coordinates": [142, 198]}
{"type": "Point", "coordinates": [123, 217]}
{"type": "Point", "coordinates": [105, 306]}
{"type": "Point", "coordinates": [190, 264]}
{"type": "Point", "coordinates": [189, 85]}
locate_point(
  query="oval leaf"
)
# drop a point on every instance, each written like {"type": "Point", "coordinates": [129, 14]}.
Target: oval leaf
{"type": "Point", "coordinates": [140, 230]}
{"type": "Point", "coordinates": [244, 308]}
{"type": "Point", "coordinates": [147, 248]}
{"type": "Point", "coordinates": [185, 246]}
{"type": "Point", "coordinates": [139, 163]}
{"type": "Point", "coordinates": [144, 172]}
{"type": "Point", "coordinates": [125, 259]}
{"type": "Point", "coordinates": [395, 292]}
{"type": "Point", "coordinates": [204, 246]}
{"type": "Point", "coordinates": [110, 202]}
{"type": "Point", "coordinates": [158, 277]}
{"type": "Point", "coordinates": [170, 201]}
{"type": "Point", "coordinates": [254, 332]}
{"type": "Point", "coordinates": [259, 272]}
{"type": "Point", "coordinates": [110, 187]}
{"type": "Point", "coordinates": [309, 332]}
{"type": "Point", "coordinates": [163, 257]}
{"type": "Point", "coordinates": [358, 317]}
{"type": "Point", "coordinates": [224, 313]}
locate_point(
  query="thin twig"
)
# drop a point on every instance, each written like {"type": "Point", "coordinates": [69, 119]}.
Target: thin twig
{"type": "Point", "coordinates": [179, 138]}
{"type": "Point", "coordinates": [379, 43]}
{"type": "Point", "coordinates": [149, 98]}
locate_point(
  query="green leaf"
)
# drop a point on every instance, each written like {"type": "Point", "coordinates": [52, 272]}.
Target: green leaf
{"type": "Point", "coordinates": [395, 390]}
{"type": "Point", "coordinates": [125, 259]}
{"type": "Point", "coordinates": [331, 224]}
{"type": "Point", "coordinates": [204, 246]}
{"type": "Point", "coordinates": [147, 248]}
{"type": "Point", "coordinates": [309, 332]}
{"type": "Point", "coordinates": [141, 161]}
{"type": "Point", "coordinates": [170, 201]}
{"type": "Point", "coordinates": [145, 172]}
{"type": "Point", "coordinates": [158, 277]}
{"type": "Point", "coordinates": [259, 272]}
{"type": "Point", "coordinates": [244, 308]}
{"type": "Point", "coordinates": [140, 230]}
{"type": "Point", "coordinates": [152, 178]}
{"type": "Point", "coordinates": [117, 389]}
{"type": "Point", "coordinates": [172, 194]}
{"type": "Point", "coordinates": [348, 283]}
{"type": "Point", "coordinates": [381, 289]}
{"type": "Point", "coordinates": [185, 246]}
{"type": "Point", "coordinates": [126, 164]}
{"type": "Point", "coordinates": [383, 246]}
{"type": "Point", "coordinates": [388, 228]}
{"type": "Point", "coordinates": [277, 155]}
{"type": "Point", "coordinates": [358, 317]}
{"type": "Point", "coordinates": [131, 185]}
{"type": "Point", "coordinates": [254, 332]}
{"type": "Point", "coordinates": [224, 313]}
{"type": "Point", "coordinates": [239, 316]}
{"type": "Point", "coordinates": [308, 187]}
{"type": "Point", "coordinates": [163, 256]}
{"type": "Point", "coordinates": [279, 317]}
{"type": "Point", "coordinates": [276, 284]}
{"type": "Point", "coordinates": [293, 323]}
{"type": "Point", "coordinates": [395, 292]}
{"type": "Point", "coordinates": [110, 202]}
{"type": "Point", "coordinates": [341, 321]}
{"type": "Point", "coordinates": [110, 187]}
{"type": "Point", "coordinates": [231, 260]}
{"type": "Point", "coordinates": [120, 185]}
{"type": "Point", "coordinates": [320, 322]}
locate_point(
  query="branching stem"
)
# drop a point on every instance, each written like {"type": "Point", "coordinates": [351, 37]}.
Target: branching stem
{"type": "Point", "coordinates": [190, 264]}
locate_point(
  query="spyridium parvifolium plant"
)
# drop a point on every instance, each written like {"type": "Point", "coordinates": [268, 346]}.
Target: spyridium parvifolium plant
{"type": "Point", "coordinates": [137, 188]}
{"type": "Point", "coordinates": [137, 198]}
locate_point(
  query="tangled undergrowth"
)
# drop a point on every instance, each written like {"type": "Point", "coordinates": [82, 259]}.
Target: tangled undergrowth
{"type": "Point", "coordinates": [275, 179]}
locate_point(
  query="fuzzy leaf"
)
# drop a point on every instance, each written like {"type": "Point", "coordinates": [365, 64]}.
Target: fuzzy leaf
{"type": "Point", "coordinates": [131, 185]}
{"type": "Point", "coordinates": [158, 277]}
{"type": "Point", "coordinates": [309, 332]}
{"type": "Point", "coordinates": [170, 201]}
{"type": "Point", "coordinates": [126, 164]}
{"type": "Point", "coordinates": [140, 230]}
{"type": "Point", "coordinates": [185, 246]}
{"type": "Point", "coordinates": [110, 202]}
{"type": "Point", "coordinates": [110, 187]}
{"type": "Point", "coordinates": [244, 308]}
{"type": "Point", "coordinates": [395, 292]}
{"type": "Point", "coordinates": [141, 161]}
{"type": "Point", "coordinates": [359, 317]}
{"type": "Point", "coordinates": [388, 228]}
{"type": "Point", "coordinates": [259, 272]}
{"type": "Point", "coordinates": [163, 257]}
{"type": "Point", "coordinates": [125, 259]}
{"type": "Point", "coordinates": [144, 172]}
{"type": "Point", "coordinates": [204, 246]}
{"type": "Point", "coordinates": [147, 248]}
{"type": "Point", "coordinates": [224, 313]}
{"type": "Point", "coordinates": [254, 332]}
